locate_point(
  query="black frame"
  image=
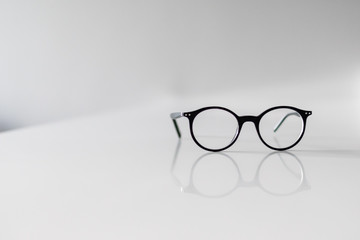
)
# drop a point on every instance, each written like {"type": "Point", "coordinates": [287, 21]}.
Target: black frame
{"type": "Point", "coordinates": [241, 120]}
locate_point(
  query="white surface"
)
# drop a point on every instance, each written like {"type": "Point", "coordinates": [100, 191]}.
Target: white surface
{"type": "Point", "coordinates": [114, 176]}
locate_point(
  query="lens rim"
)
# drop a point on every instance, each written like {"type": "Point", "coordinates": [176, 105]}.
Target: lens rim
{"type": "Point", "coordinates": [303, 114]}
{"type": "Point", "coordinates": [192, 115]}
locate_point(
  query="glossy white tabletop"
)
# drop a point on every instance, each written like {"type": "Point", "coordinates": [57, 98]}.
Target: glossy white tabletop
{"type": "Point", "coordinates": [125, 175]}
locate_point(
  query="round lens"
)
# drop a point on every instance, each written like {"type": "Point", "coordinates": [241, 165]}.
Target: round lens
{"type": "Point", "coordinates": [215, 128]}
{"type": "Point", "coordinates": [281, 127]}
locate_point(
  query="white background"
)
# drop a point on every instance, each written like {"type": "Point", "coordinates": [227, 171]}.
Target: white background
{"type": "Point", "coordinates": [60, 59]}
{"type": "Point", "coordinates": [86, 88]}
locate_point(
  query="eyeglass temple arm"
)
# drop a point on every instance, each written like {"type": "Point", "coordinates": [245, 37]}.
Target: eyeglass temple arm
{"type": "Point", "coordinates": [175, 116]}
{"type": "Point", "coordinates": [284, 118]}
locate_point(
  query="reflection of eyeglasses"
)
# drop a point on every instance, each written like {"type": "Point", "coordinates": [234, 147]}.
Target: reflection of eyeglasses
{"type": "Point", "coordinates": [217, 128]}
{"type": "Point", "coordinates": [279, 174]}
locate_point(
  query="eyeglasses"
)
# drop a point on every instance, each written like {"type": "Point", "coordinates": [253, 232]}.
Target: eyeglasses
{"type": "Point", "coordinates": [217, 128]}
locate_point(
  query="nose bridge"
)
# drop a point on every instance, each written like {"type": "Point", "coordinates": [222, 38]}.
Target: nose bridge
{"type": "Point", "coordinates": [244, 119]}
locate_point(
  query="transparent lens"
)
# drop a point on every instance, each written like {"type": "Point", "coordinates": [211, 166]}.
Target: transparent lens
{"type": "Point", "coordinates": [215, 128]}
{"type": "Point", "coordinates": [281, 128]}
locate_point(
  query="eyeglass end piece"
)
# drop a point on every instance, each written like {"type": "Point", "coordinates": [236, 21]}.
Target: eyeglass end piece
{"type": "Point", "coordinates": [176, 115]}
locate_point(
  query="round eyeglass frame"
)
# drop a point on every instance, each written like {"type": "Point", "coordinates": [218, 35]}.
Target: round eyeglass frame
{"type": "Point", "coordinates": [241, 120]}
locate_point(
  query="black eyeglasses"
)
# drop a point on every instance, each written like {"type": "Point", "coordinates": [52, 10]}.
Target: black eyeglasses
{"type": "Point", "coordinates": [217, 128]}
